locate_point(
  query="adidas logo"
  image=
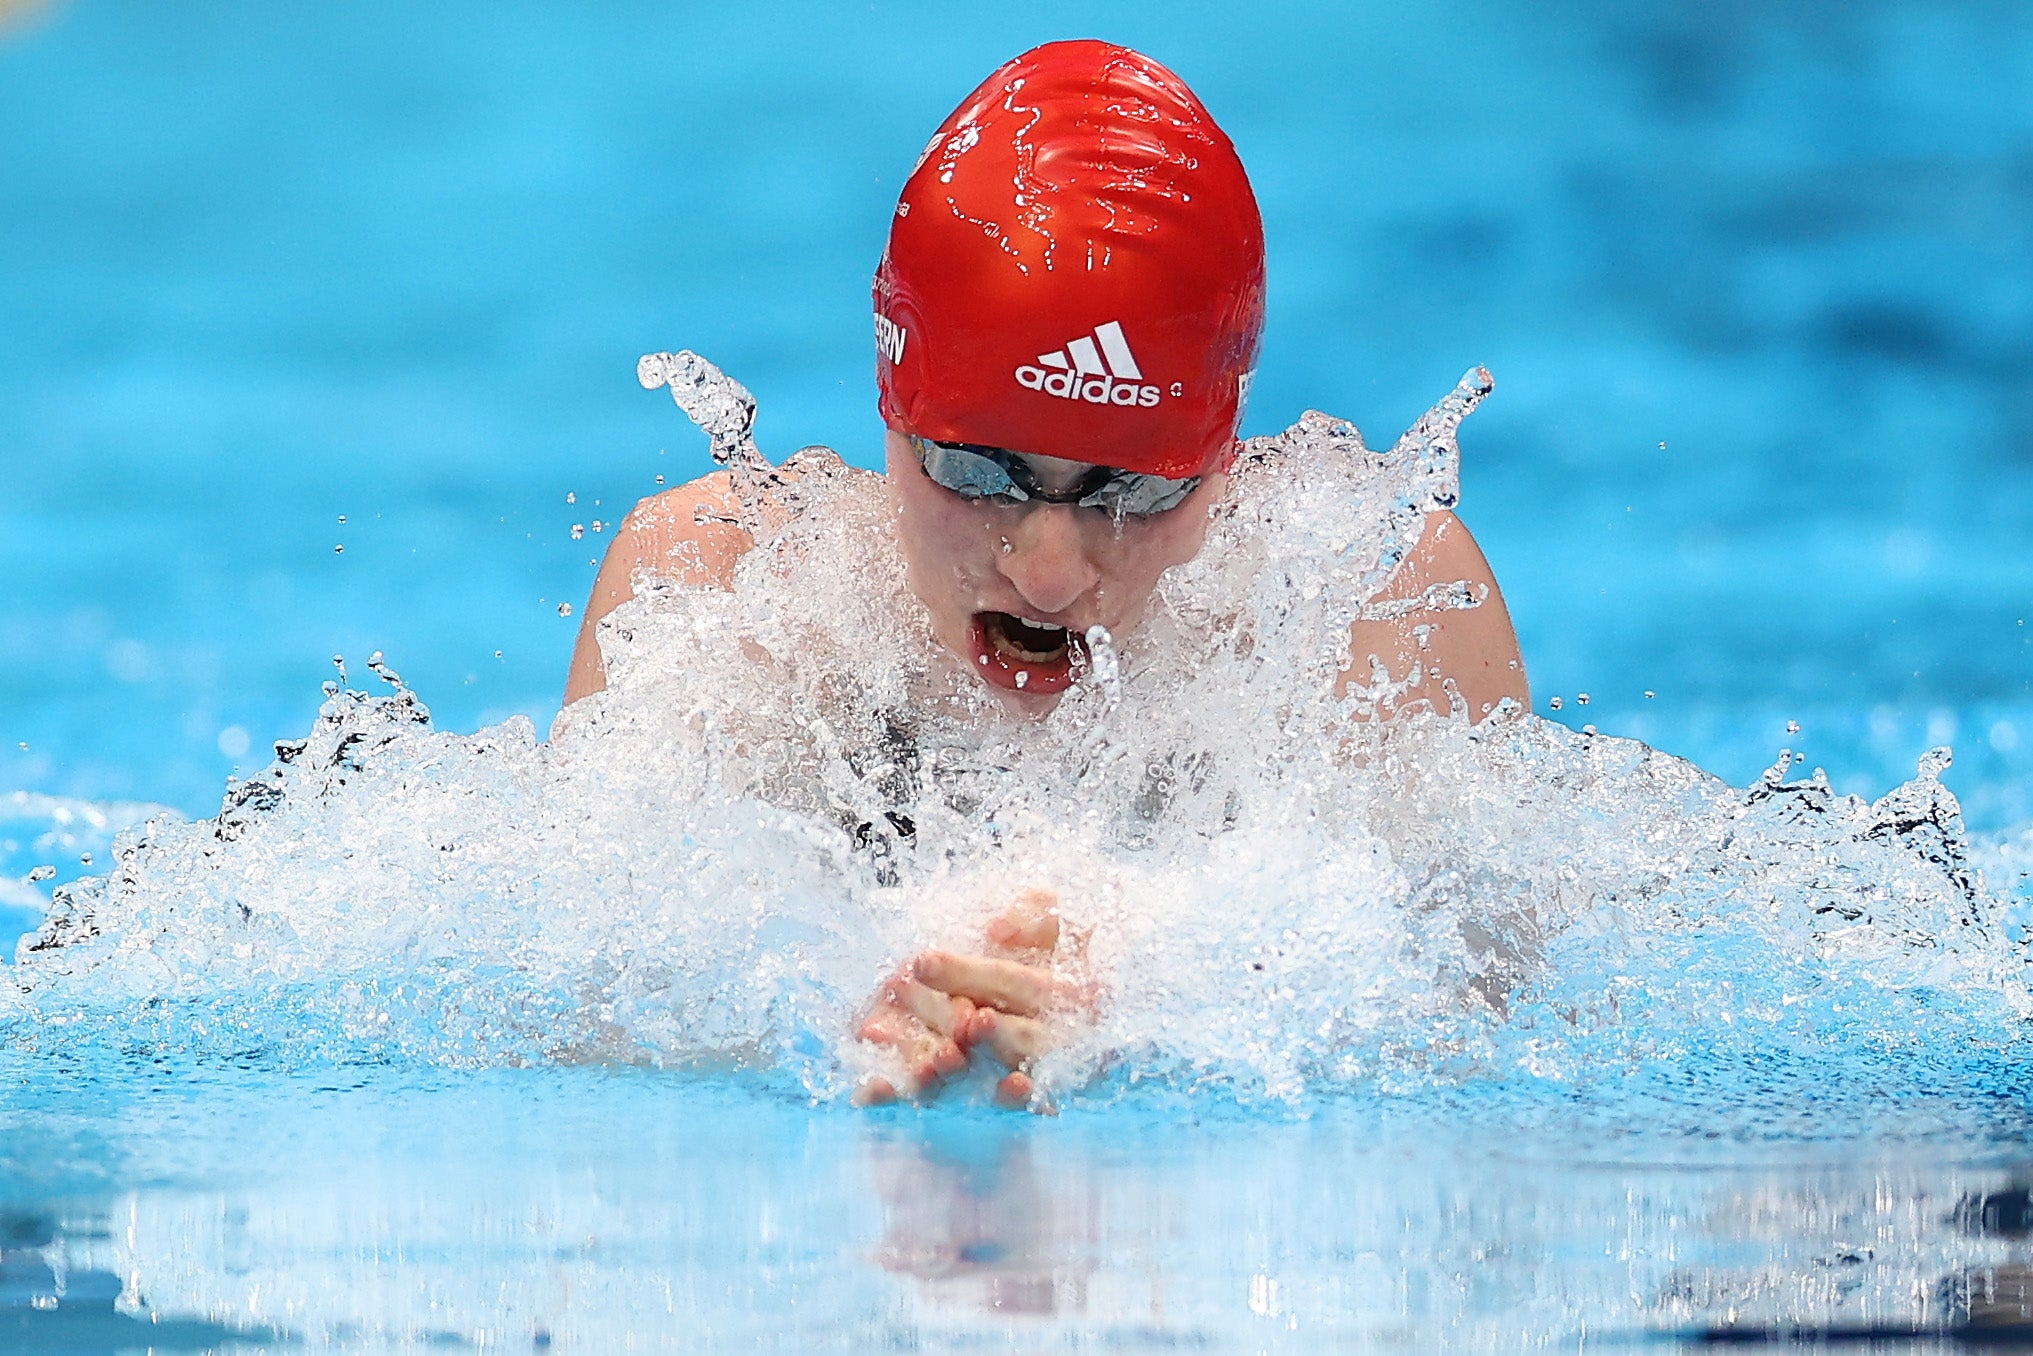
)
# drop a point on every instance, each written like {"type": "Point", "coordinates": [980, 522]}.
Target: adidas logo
{"type": "Point", "coordinates": [1100, 370]}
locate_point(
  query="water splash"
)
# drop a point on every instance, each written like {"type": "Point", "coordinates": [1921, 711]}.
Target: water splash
{"type": "Point", "coordinates": [789, 786]}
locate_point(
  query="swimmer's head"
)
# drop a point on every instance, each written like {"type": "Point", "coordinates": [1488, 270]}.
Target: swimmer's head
{"type": "Point", "coordinates": [1075, 270]}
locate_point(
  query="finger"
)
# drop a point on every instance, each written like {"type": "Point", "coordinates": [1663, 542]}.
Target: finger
{"type": "Point", "coordinates": [1011, 932]}
{"type": "Point", "coordinates": [888, 1024]}
{"type": "Point", "coordinates": [1017, 1092]}
{"type": "Point", "coordinates": [939, 1012]}
{"type": "Point", "coordinates": [1014, 1091]}
{"type": "Point", "coordinates": [1012, 1042]}
{"type": "Point", "coordinates": [1030, 924]}
{"type": "Point", "coordinates": [928, 1057]}
{"type": "Point", "coordinates": [874, 1091]}
{"type": "Point", "coordinates": [1006, 984]}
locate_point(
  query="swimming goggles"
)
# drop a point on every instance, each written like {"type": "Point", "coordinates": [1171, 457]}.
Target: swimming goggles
{"type": "Point", "coordinates": [975, 472]}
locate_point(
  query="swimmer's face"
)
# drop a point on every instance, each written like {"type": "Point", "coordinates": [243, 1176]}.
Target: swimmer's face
{"type": "Point", "coordinates": [1010, 587]}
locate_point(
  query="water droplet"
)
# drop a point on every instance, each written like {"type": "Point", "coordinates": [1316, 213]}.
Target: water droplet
{"type": "Point", "coordinates": [497, 654]}
{"type": "Point", "coordinates": [1588, 730]}
{"type": "Point", "coordinates": [1023, 677]}
{"type": "Point", "coordinates": [1006, 546]}
{"type": "Point", "coordinates": [1581, 699]}
{"type": "Point", "coordinates": [599, 526]}
{"type": "Point", "coordinates": [1649, 694]}
{"type": "Point", "coordinates": [374, 659]}
{"type": "Point", "coordinates": [342, 518]}
{"type": "Point", "coordinates": [1662, 444]}
{"type": "Point", "coordinates": [571, 497]}
{"type": "Point", "coordinates": [1556, 703]}
{"type": "Point", "coordinates": [578, 531]}
{"type": "Point", "coordinates": [564, 609]}
{"type": "Point", "coordinates": [1792, 727]}
{"type": "Point", "coordinates": [41, 873]}
{"type": "Point", "coordinates": [84, 859]}
{"type": "Point", "coordinates": [659, 480]}
{"type": "Point", "coordinates": [339, 550]}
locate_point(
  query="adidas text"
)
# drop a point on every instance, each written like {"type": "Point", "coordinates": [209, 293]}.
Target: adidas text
{"type": "Point", "coordinates": [1102, 390]}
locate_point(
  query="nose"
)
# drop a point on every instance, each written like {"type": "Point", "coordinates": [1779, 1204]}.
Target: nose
{"type": "Point", "coordinates": [1047, 560]}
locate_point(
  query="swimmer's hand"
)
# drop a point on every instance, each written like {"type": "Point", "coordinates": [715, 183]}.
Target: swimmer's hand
{"type": "Point", "coordinates": [941, 1008]}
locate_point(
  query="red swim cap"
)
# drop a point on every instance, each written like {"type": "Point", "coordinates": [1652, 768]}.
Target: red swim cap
{"type": "Point", "coordinates": [1075, 269]}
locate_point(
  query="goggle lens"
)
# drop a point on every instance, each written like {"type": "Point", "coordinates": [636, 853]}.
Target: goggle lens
{"type": "Point", "coordinates": [975, 472]}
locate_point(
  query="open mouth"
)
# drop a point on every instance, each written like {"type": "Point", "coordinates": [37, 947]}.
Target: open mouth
{"type": "Point", "coordinates": [1025, 655]}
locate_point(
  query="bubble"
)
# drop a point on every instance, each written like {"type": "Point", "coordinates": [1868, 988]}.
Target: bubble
{"type": "Point", "coordinates": [1649, 694]}
{"type": "Point", "coordinates": [339, 550]}
{"type": "Point", "coordinates": [1581, 699]}
{"type": "Point", "coordinates": [578, 531]}
{"type": "Point", "coordinates": [564, 609]}
{"type": "Point", "coordinates": [1792, 727]}
{"type": "Point", "coordinates": [571, 497]}
{"type": "Point", "coordinates": [342, 519]}
{"type": "Point", "coordinates": [1555, 703]}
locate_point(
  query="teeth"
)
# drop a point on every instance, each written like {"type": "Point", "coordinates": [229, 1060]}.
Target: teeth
{"type": "Point", "coordinates": [1010, 647]}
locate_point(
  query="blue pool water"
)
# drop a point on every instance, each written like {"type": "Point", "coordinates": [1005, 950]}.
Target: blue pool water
{"type": "Point", "coordinates": [1756, 282]}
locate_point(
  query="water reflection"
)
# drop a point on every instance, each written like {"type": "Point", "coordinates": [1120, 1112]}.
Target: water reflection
{"type": "Point", "coordinates": [1322, 1240]}
{"type": "Point", "coordinates": [48, 1305]}
{"type": "Point", "coordinates": [598, 1211]}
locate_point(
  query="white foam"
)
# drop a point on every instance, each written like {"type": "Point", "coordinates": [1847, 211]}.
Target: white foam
{"type": "Point", "coordinates": [788, 788]}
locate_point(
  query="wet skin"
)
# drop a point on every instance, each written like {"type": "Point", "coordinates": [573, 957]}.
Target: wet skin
{"type": "Point", "coordinates": [974, 562]}
{"type": "Point", "coordinates": [985, 572]}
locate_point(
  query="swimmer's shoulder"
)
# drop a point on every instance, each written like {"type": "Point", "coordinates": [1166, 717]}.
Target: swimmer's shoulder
{"type": "Point", "coordinates": [1474, 647]}
{"type": "Point", "coordinates": [689, 535]}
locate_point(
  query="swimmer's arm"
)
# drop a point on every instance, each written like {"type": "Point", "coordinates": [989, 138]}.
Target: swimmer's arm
{"type": "Point", "coordinates": [1476, 647]}
{"type": "Point", "coordinates": [661, 536]}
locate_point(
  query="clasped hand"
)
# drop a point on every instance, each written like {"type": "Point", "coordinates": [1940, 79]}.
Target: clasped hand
{"type": "Point", "coordinates": [941, 1008]}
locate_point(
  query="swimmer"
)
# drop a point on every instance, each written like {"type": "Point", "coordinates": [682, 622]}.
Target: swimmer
{"type": "Point", "coordinates": [1067, 318]}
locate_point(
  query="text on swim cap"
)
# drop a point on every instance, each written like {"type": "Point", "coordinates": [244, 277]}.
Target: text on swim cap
{"type": "Point", "coordinates": [889, 339]}
{"type": "Point", "coordinates": [1101, 371]}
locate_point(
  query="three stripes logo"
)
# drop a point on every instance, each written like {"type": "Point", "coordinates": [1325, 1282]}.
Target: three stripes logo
{"type": "Point", "coordinates": [1096, 368]}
